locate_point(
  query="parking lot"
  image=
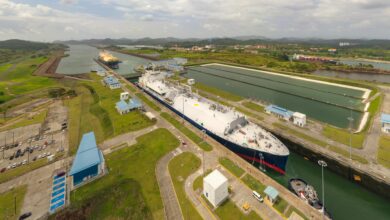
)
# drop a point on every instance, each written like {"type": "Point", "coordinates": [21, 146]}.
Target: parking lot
{"type": "Point", "coordinates": [24, 145]}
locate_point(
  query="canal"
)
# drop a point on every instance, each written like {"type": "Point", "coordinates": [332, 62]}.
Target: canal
{"type": "Point", "coordinates": [381, 78]}
{"type": "Point", "coordinates": [323, 102]}
{"type": "Point", "coordinates": [343, 199]}
{"type": "Point", "coordinates": [80, 60]}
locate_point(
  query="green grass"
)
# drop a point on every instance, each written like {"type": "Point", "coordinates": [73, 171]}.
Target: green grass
{"type": "Point", "coordinates": [253, 183]}
{"type": "Point", "coordinates": [253, 106]}
{"type": "Point", "coordinates": [198, 182]}
{"type": "Point", "coordinates": [124, 197]}
{"type": "Point", "coordinates": [180, 167]}
{"type": "Point", "coordinates": [342, 136]}
{"type": "Point", "coordinates": [4, 67]}
{"type": "Point", "coordinates": [148, 102]}
{"type": "Point", "coordinates": [320, 143]}
{"type": "Point", "coordinates": [229, 210]}
{"type": "Point", "coordinates": [7, 204]}
{"type": "Point", "coordinates": [292, 209]}
{"type": "Point", "coordinates": [18, 171]}
{"type": "Point", "coordinates": [94, 109]}
{"type": "Point", "coordinates": [136, 162]}
{"type": "Point", "coordinates": [187, 132]}
{"type": "Point", "coordinates": [131, 88]}
{"type": "Point", "coordinates": [384, 151]}
{"type": "Point", "coordinates": [218, 92]}
{"type": "Point", "coordinates": [280, 205]}
{"type": "Point", "coordinates": [231, 166]}
{"type": "Point", "coordinates": [248, 113]}
{"type": "Point", "coordinates": [36, 119]}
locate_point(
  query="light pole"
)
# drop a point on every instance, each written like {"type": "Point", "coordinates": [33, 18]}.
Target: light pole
{"type": "Point", "coordinates": [323, 164]}
{"type": "Point", "coordinates": [350, 119]}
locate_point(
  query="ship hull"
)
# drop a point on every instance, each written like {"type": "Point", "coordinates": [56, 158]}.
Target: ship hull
{"type": "Point", "coordinates": [275, 162]}
{"type": "Point", "coordinates": [112, 65]}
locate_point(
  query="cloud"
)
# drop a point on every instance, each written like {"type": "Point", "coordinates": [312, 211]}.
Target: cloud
{"type": "Point", "coordinates": [201, 18]}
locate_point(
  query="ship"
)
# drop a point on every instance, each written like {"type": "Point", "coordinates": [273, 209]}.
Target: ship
{"type": "Point", "coordinates": [307, 193]}
{"type": "Point", "coordinates": [227, 126]}
{"type": "Point", "coordinates": [109, 60]}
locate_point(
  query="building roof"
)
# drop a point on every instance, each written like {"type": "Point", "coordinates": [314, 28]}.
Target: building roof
{"type": "Point", "coordinates": [111, 80]}
{"type": "Point", "coordinates": [122, 105]}
{"type": "Point", "coordinates": [385, 118]}
{"type": "Point", "coordinates": [299, 115]}
{"type": "Point", "coordinates": [271, 192]}
{"type": "Point", "coordinates": [88, 154]}
{"type": "Point", "coordinates": [279, 110]}
{"type": "Point", "coordinates": [215, 179]}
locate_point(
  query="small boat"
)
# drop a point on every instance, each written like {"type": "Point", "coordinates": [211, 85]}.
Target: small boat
{"type": "Point", "coordinates": [307, 193]}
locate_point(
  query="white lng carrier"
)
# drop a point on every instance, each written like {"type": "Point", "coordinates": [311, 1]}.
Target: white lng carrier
{"type": "Point", "coordinates": [224, 124]}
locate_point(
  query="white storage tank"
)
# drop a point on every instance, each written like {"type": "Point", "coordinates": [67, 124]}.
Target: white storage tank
{"type": "Point", "coordinates": [215, 188]}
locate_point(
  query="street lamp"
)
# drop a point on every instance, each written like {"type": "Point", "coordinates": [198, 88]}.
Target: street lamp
{"type": "Point", "coordinates": [350, 119]}
{"type": "Point", "coordinates": [323, 164]}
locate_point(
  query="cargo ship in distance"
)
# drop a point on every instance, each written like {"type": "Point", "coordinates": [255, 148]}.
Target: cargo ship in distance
{"type": "Point", "coordinates": [222, 123]}
{"type": "Point", "coordinates": [109, 60]}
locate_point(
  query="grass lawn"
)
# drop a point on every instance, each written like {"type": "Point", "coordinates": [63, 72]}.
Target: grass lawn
{"type": "Point", "coordinates": [180, 168]}
{"type": "Point", "coordinates": [253, 183]}
{"type": "Point", "coordinates": [36, 119]}
{"type": "Point", "coordinates": [280, 205]}
{"type": "Point", "coordinates": [218, 92]}
{"type": "Point", "coordinates": [292, 209]}
{"type": "Point", "coordinates": [7, 204]}
{"type": "Point", "coordinates": [94, 110]}
{"type": "Point", "coordinates": [248, 113]}
{"type": "Point", "coordinates": [198, 182]}
{"type": "Point", "coordinates": [18, 171]}
{"type": "Point", "coordinates": [190, 134]}
{"type": "Point", "coordinates": [253, 106]}
{"type": "Point", "coordinates": [311, 139]}
{"type": "Point", "coordinates": [231, 166]}
{"type": "Point", "coordinates": [148, 102]}
{"type": "Point", "coordinates": [229, 210]}
{"type": "Point", "coordinates": [384, 151]}
{"type": "Point", "coordinates": [136, 162]}
{"type": "Point", "coordinates": [131, 88]}
{"type": "Point", "coordinates": [342, 136]}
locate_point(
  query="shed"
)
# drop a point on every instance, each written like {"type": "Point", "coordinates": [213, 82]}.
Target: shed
{"type": "Point", "coordinates": [271, 194]}
{"type": "Point", "coordinates": [89, 160]}
{"type": "Point", "coordinates": [215, 188]}
{"type": "Point", "coordinates": [299, 119]}
{"type": "Point", "coordinates": [279, 112]}
{"type": "Point", "coordinates": [385, 121]}
{"type": "Point", "coordinates": [124, 107]}
{"type": "Point", "coordinates": [111, 82]}
{"type": "Point", "coordinates": [150, 115]}
{"type": "Point", "coordinates": [124, 96]}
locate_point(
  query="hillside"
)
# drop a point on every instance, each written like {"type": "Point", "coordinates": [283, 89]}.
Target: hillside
{"type": "Point", "coordinates": [15, 44]}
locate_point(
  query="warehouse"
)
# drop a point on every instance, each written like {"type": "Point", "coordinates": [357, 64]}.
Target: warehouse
{"type": "Point", "coordinates": [89, 161]}
{"type": "Point", "coordinates": [111, 82]}
{"type": "Point", "coordinates": [124, 107]}
{"type": "Point", "coordinates": [279, 112]}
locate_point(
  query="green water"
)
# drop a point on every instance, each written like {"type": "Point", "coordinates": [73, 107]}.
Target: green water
{"type": "Point", "coordinates": [326, 103]}
{"type": "Point", "coordinates": [343, 199]}
{"type": "Point", "coordinates": [80, 60]}
{"type": "Point", "coordinates": [377, 65]}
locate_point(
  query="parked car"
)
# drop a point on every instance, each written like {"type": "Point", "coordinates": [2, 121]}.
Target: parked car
{"type": "Point", "coordinates": [39, 156]}
{"type": "Point", "coordinates": [61, 173]}
{"type": "Point", "coordinates": [35, 158]}
{"type": "Point", "coordinates": [3, 170]}
{"type": "Point", "coordinates": [13, 165]}
{"type": "Point", "coordinates": [257, 196]}
{"type": "Point", "coordinates": [25, 215]}
{"type": "Point", "coordinates": [11, 157]}
{"type": "Point", "coordinates": [24, 162]}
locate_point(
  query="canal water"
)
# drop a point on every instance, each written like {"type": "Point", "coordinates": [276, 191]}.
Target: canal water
{"type": "Point", "coordinates": [382, 78]}
{"type": "Point", "coordinates": [376, 65]}
{"type": "Point", "coordinates": [80, 60]}
{"type": "Point", "coordinates": [343, 199]}
{"type": "Point", "coordinates": [326, 103]}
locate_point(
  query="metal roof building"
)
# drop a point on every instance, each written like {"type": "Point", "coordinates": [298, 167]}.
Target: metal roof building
{"type": "Point", "coordinates": [89, 160]}
{"type": "Point", "coordinates": [124, 107]}
{"type": "Point", "coordinates": [385, 121]}
{"type": "Point", "coordinates": [111, 82]}
{"type": "Point", "coordinates": [279, 111]}
{"type": "Point", "coordinates": [271, 193]}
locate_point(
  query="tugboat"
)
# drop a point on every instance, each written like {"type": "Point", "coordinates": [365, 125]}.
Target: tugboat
{"type": "Point", "coordinates": [307, 193]}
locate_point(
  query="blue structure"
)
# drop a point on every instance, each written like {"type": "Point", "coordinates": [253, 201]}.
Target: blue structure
{"type": "Point", "coordinates": [57, 199]}
{"type": "Point", "coordinates": [89, 161]}
{"type": "Point", "coordinates": [124, 107]}
{"type": "Point", "coordinates": [385, 121]}
{"type": "Point", "coordinates": [279, 111]}
{"type": "Point", "coordinates": [111, 82]}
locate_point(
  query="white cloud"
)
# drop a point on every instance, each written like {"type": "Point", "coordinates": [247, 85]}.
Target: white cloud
{"type": "Point", "coordinates": [201, 18]}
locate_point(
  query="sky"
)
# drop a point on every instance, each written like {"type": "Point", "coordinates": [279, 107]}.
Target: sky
{"type": "Point", "coordinates": [48, 20]}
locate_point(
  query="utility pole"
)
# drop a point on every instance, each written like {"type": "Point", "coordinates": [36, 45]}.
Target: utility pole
{"type": "Point", "coordinates": [350, 119]}
{"type": "Point", "coordinates": [204, 161]}
{"type": "Point", "coordinates": [323, 164]}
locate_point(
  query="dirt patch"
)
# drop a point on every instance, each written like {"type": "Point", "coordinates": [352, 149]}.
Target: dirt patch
{"type": "Point", "coordinates": [49, 67]}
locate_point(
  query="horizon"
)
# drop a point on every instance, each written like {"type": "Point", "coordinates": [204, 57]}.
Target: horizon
{"type": "Point", "coordinates": [65, 20]}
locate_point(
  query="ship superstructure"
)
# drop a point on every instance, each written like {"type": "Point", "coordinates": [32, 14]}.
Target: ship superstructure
{"type": "Point", "coordinates": [224, 124]}
{"type": "Point", "coordinates": [109, 60]}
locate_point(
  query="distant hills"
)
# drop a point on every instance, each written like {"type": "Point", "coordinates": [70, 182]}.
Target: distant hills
{"type": "Point", "coordinates": [15, 44]}
{"type": "Point", "coordinates": [187, 42]}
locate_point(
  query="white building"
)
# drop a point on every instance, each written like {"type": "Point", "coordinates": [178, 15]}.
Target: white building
{"type": "Point", "coordinates": [124, 96]}
{"type": "Point", "coordinates": [215, 188]}
{"type": "Point", "coordinates": [299, 119]}
{"type": "Point", "coordinates": [191, 82]}
{"type": "Point", "coordinates": [385, 121]}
